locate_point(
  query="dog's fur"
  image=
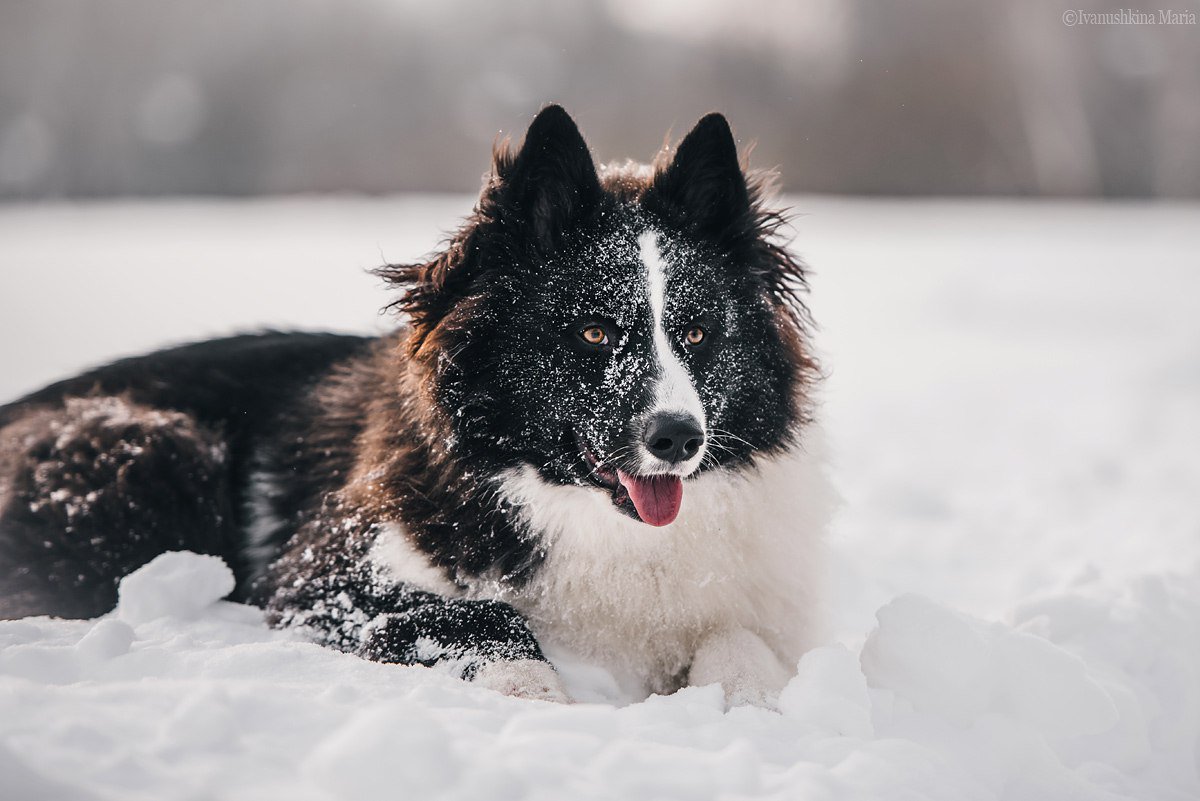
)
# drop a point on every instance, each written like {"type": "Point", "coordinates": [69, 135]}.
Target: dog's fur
{"type": "Point", "coordinates": [473, 486]}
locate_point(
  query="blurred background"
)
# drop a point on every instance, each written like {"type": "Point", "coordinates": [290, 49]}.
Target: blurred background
{"type": "Point", "coordinates": [941, 97]}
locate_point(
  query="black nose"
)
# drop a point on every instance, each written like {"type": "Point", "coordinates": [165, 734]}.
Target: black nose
{"type": "Point", "coordinates": [673, 437]}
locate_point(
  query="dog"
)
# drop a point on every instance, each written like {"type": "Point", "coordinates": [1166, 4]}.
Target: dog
{"type": "Point", "coordinates": [591, 430]}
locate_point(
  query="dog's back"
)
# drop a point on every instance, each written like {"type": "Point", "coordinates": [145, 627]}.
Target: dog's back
{"type": "Point", "coordinates": [102, 472]}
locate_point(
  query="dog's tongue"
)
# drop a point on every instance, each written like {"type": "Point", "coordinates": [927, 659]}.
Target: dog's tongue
{"type": "Point", "coordinates": [656, 498]}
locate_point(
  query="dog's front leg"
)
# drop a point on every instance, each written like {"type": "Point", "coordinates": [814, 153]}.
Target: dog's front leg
{"type": "Point", "coordinates": [487, 643]}
{"type": "Point", "coordinates": [326, 584]}
{"type": "Point", "coordinates": [746, 668]}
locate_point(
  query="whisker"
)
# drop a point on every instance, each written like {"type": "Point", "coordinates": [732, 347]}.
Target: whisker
{"type": "Point", "coordinates": [731, 435]}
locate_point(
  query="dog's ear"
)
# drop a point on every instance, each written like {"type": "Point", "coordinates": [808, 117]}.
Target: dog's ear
{"type": "Point", "coordinates": [703, 187]}
{"type": "Point", "coordinates": [535, 194]}
{"type": "Point", "coordinates": [551, 183]}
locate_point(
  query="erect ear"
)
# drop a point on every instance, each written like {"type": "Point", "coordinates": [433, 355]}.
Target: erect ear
{"type": "Point", "coordinates": [551, 183]}
{"type": "Point", "coordinates": [704, 186]}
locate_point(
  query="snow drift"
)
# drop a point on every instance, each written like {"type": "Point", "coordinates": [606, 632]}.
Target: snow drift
{"type": "Point", "coordinates": [1094, 694]}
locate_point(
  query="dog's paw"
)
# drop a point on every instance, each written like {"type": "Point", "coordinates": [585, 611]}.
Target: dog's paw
{"type": "Point", "coordinates": [746, 668]}
{"type": "Point", "coordinates": [523, 678]}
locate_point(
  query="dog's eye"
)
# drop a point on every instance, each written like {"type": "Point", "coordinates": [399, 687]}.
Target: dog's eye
{"type": "Point", "coordinates": [695, 335]}
{"type": "Point", "coordinates": [594, 335]}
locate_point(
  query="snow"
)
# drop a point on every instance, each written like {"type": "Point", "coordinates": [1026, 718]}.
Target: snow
{"type": "Point", "coordinates": [180, 585]}
{"type": "Point", "coordinates": [1013, 401]}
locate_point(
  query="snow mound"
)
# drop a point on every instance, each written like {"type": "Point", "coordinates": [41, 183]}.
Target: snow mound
{"type": "Point", "coordinates": [829, 694]}
{"type": "Point", "coordinates": [108, 639]}
{"type": "Point", "coordinates": [947, 665]}
{"type": "Point", "coordinates": [178, 584]}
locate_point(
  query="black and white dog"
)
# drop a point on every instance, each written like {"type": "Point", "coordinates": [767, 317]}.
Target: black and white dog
{"type": "Point", "coordinates": [590, 431]}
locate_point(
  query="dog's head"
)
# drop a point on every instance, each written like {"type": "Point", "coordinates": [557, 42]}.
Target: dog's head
{"type": "Point", "coordinates": [623, 329]}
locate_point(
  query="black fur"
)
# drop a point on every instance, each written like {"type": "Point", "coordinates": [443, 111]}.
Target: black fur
{"type": "Point", "coordinates": [99, 487]}
{"type": "Point", "coordinates": [164, 442]}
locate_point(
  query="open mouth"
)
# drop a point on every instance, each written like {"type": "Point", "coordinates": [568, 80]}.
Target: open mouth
{"type": "Point", "coordinates": [654, 499]}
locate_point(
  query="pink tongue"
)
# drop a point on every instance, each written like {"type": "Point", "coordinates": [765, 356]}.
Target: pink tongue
{"type": "Point", "coordinates": [656, 498]}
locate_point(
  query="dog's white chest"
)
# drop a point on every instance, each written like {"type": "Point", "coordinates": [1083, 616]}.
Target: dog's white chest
{"type": "Point", "coordinates": [743, 553]}
{"type": "Point", "coordinates": [636, 599]}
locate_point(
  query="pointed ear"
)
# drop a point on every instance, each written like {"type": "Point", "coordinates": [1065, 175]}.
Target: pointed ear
{"type": "Point", "coordinates": [551, 183]}
{"type": "Point", "coordinates": [704, 186]}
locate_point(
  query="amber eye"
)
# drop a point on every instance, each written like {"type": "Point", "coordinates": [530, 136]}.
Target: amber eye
{"type": "Point", "coordinates": [594, 335]}
{"type": "Point", "coordinates": [694, 335]}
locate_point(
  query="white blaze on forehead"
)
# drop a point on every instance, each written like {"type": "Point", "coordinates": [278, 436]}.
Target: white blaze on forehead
{"type": "Point", "coordinates": [674, 391]}
{"type": "Point", "coordinates": [656, 275]}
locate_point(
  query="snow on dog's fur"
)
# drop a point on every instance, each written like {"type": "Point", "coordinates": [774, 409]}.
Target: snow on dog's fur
{"type": "Point", "coordinates": [592, 431]}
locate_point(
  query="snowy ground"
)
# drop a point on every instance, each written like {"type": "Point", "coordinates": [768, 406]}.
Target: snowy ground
{"type": "Point", "coordinates": [1014, 404]}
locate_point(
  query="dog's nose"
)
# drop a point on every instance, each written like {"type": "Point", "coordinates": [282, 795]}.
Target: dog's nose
{"type": "Point", "coordinates": [673, 437]}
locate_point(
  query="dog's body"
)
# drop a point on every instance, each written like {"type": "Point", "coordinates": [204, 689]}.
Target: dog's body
{"type": "Point", "coordinates": [505, 471]}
